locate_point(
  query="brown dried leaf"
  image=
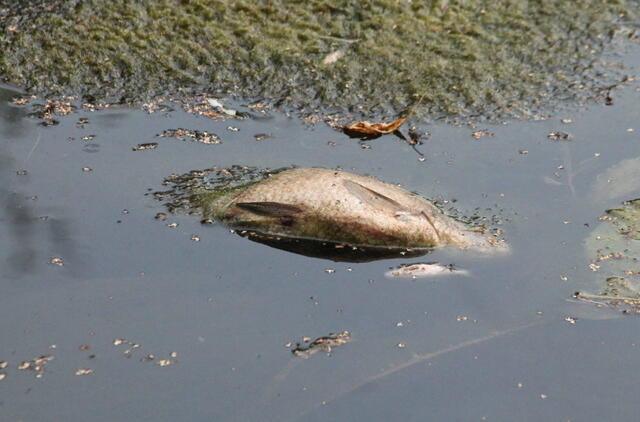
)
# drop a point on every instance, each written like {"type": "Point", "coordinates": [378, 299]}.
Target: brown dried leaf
{"type": "Point", "coordinates": [373, 129]}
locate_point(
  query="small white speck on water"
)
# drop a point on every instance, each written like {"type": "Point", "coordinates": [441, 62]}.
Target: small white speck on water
{"type": "Point", "coordinates": [422, 159]}
{"type": "Point", "coordinates": [329, 270]}
{"type": "Point", "coordinates": [564, 278]}
{"type": "Point", "coordinates": [87, 169]}
{"type": "Point", "coordinates": [2, 376]}
{"type": "Point", "coordinates": [401, 345]}
{"type": "Point", "coordinates": [195, 237]}
{"type": "Point", "coordinates": [172, 225]}
{"type": "Point", "coordinates": [571, 320]}
{"type": "Point", "coordinates": [543, 396]}
{"type": "Point", "coordinates": [84, 371]}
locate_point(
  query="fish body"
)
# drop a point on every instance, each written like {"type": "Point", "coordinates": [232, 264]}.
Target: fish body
{"type": "Point", "coordinates": [337, 206]}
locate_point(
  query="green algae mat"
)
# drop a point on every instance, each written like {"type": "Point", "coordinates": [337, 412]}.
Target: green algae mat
{"type": "Point", "coordinates": [453, 58]}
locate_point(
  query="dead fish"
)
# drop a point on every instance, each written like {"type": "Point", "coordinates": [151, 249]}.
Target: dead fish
{"type": "Point", "coordinates": [424, 270]}
{"type": "Point", "coordinates": [337, 206]}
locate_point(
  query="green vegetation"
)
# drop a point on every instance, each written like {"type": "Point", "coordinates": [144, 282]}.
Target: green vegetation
{"type": "Point", "coordinates": [456, 57]}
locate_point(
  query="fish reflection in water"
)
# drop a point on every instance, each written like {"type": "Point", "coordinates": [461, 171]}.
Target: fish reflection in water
{"type": "Point", "coordinates": [339, 215]}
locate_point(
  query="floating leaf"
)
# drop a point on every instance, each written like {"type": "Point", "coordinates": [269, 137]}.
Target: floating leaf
{"type": "Point", "coordinates": [373, 129]}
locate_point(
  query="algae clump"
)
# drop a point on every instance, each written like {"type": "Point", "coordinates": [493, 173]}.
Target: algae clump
{"type": "Point", "coordinates": [614, 247]}
{"type": "Point", "coordinates": [454, 57]}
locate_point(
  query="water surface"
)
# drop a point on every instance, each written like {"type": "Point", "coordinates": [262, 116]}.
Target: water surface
{"type": "Point", "coordinates": [495, 344]}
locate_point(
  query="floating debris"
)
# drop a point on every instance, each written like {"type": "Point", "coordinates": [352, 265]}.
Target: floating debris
{"type": "Point", "coordinates": [481, 134]}
{"type": "Point", "coordinates": [262, 136]}
{"type": "Point", "coordinates": [52, 108]}
{"type": "Point", "coordinates": [142, 147]}
{"type": "Point", "coordinates": [132, 346]}
{"type": "Point", "coordinates": [218, 105]}
{"type": "Point", "coordinates": [326, 344]}
{"type": "Point", "coordinates": [202, 137]}
{"type": "Point", "coordinates": [367, 129]}
{"type": "Point", "coordinates": [424, 270]}
{"type": "Point", "coordinates": [56, 261]}
{"type": "Point", "coordinates": [23, 100]}
{"type": "Point", "coordinates": [559, 136]}
{"type": "Point", "coordinates": [82, 122]}
{"type": "Point", "coordinates": [38, 365]}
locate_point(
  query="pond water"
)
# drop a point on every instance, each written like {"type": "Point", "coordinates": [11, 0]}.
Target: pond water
{"type": "Point", "coordinates": [218, 311]}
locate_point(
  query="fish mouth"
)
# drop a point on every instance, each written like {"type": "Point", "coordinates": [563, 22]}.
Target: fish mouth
{"type": "Point", "coordinates": [334, 251]}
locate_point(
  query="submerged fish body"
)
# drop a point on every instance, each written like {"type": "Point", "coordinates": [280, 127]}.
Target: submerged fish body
{"type": "Point", "coordinates": [337, 206]}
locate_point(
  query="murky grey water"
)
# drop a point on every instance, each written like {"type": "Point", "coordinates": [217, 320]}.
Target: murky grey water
{"type": "Point", "coordinates": [495, 344]}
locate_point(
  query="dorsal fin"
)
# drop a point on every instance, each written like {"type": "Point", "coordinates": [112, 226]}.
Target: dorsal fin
{"type": "Point", "coordinates": [371, 197]}
{"type": "Point", "coordinates": [270, 209]}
